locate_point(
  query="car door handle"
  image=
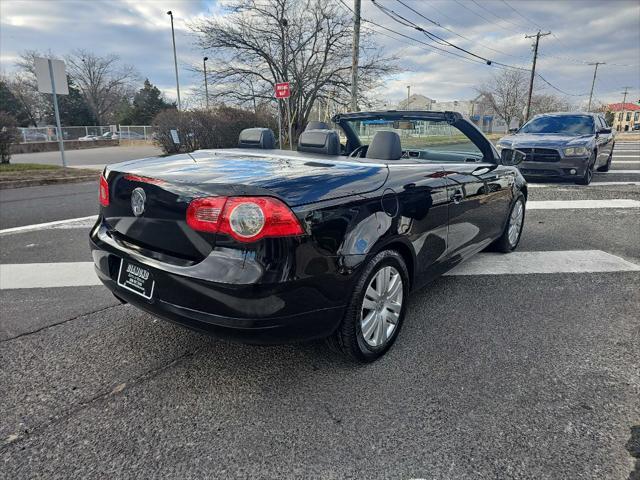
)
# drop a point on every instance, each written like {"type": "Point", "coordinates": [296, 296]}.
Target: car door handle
{"type": "Point", "coordinates": [457, 197]}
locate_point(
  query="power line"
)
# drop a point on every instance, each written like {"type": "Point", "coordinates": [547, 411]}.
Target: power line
{"type": "Point", "coordinates": [558, 89]}
{"type": "Point", "coordinates": [485, 18]}
{"type": "Point", "coordinates": [437, 50]}
{"type": "Point", "coordinates": [455, 33]}
{"type": "Point", "coordinates": [499, 17]}
{"type": "Point", "coordinates": [517, 12]}
{"type": "Point", "coordinates": [408, 23]}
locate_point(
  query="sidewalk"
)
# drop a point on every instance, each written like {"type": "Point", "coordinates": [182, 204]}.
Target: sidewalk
{"type": "Point", "coordinates": [91, 156]}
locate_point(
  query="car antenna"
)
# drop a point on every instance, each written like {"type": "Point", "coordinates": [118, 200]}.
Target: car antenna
{"type": "Point", "coordinates": [176, 139]}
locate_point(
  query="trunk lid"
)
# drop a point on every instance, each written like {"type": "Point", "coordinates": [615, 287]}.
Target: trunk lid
{"type": "Point", "coordinates": [176, 180]}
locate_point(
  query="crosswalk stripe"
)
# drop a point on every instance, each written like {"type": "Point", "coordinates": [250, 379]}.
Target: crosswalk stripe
{"type": "Point", "coordinates": [523, 263]}
{"type": "Point", "coordinates": [47, 275]}
{"type": "Point", "coordinates": [615, 162]}
{"type": "Point", "coordinates": [580, 204]}
{"type": "Point", "coordinates": [81, 221]}
{"type": "Point", "coordinates": [618, 171]}
{"type": "Point", "coordinates": [77, 274]}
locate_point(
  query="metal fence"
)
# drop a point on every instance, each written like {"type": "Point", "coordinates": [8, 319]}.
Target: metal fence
{"type": "Point", "coordinates": [87, 133]}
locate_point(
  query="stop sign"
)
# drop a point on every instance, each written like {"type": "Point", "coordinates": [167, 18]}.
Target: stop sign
{"type": "Point", "coordinates": [282, 90]}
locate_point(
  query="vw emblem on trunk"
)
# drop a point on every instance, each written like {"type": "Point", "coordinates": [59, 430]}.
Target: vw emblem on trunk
{"type": "Point", "coordinates": [138, 198]}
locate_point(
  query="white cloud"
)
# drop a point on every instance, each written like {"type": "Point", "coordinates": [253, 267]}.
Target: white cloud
{"type": "Point", "coordinates": [139, 31]}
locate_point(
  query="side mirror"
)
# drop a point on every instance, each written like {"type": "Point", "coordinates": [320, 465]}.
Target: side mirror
{"type": "Point", "coordinates": [512, 157]}
{"type": "Point", "coordinates": [513, 130]}
{"type": "Point", "coordinates": [605, 131]}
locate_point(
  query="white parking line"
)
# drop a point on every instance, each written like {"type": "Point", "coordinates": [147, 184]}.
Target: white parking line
{"type": "Point", "coordinates": [77, 274]}
{"type": "Point", "coordinates": [626, 161]}
{"type": "Point", "coordinates": [80, 222]}
{"type": "Point", "coordinates": [572, 204]}
{"type": "Point", "coordinates": [618, 171]}
{"type": "Point", "coordinates": [47, 275]}
{"type": "Point", "coordinates": [563, 185]}
{"type": "Point", "coordinates": [524, 263]}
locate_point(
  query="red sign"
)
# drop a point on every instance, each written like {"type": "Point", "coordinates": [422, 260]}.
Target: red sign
{"type": "Point", "coordinates": [282, 90]}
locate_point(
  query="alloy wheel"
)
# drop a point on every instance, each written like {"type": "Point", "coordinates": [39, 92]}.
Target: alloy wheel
{"type": "Point", "coordinates": [381, 306]}
{"type": "Point", "coordinates": [515, 222]}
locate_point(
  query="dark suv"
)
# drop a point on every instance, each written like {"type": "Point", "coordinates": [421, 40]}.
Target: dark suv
{"type": "Point", "coordinates": [562, 145]}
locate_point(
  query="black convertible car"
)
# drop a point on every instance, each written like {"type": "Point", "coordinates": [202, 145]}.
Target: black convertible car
{"type": "Point", "coordinates": [268, 246]}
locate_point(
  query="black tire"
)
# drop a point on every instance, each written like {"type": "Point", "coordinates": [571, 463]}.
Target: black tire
{"type": "Point", "coordinates": [503, 244]}
{"type": "Point", "coordinates": [588, 172]}
{"type": "Point", "coordinates": [348, 338]}
{"type": "Point", "coordinates": [607, 166]}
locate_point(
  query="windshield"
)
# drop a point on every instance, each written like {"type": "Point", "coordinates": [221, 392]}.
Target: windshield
{"type": "Point", "coordinates": [421, 139]}
{"type": "Point", "coordinates": [561, 124]}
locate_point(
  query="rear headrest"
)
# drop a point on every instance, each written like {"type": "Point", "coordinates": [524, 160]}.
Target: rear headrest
{"type": "Point", "coordinates": [316, 125]}
{"type": "Point", "coordinates": [325, 142]}
{"type": "Point", "coordinates": [385, 146]}
{"type": "Point", "coordinates": [257, 138]}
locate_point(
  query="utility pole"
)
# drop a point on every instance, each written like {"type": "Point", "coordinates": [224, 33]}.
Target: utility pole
{"type": "Point", "coordinates": [624, 99]}
{"type": "Point", "coordinates": [175, 58]}
{"type": "Point", "coordinates": [533, 69]}
{"type": "Point", "coordinates": [408, 95]}
{"type": "Point", "coordinates": [595, 72]}
{"type": "Point", "coordinates": [206, 87]}
{"type": "Point", "coordinates": [355, 54]}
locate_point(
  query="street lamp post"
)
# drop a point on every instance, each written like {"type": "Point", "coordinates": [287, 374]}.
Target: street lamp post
{"type": "Point", "coordinates": [175, 57]}
{"type": "Point", "coordinates": [206, 87]}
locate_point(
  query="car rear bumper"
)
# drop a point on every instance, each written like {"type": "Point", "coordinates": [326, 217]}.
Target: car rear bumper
{"type": "Point", "coordinates": [252, 313]}
{"type": "Point", "coordinates": [566, 168]}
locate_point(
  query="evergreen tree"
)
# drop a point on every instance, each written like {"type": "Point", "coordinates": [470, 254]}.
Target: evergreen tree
{"type": "Point", "coordinates": [12, 105]}
{"type": "Point", "coordinates": [147, 103]}
{"type": "Point", "coordinates": [73, 108]}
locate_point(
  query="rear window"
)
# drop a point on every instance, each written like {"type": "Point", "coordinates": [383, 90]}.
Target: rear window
{"type": "Point", "coordinates": [561, 124]}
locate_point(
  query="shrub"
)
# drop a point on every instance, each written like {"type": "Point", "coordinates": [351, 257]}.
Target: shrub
{"type": "Point", "coordinates": [8, 135]}
{"type": "Point", "coordinates": [198, 129]}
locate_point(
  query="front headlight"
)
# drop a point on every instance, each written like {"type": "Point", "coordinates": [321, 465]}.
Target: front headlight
{"type": "Point", "coordinates": [576, 151]}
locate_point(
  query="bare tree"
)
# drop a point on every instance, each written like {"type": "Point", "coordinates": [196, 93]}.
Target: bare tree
{"type": "Point", "coordinates": [305, 42]}
{"type": "Point", "coordinates": [507, 94]}
{"type": "Point", "coordinates": [545, 103]}
{"type": "Point", "coordinates": [25, 86]}
{"type": "Point", "coordinates": [103, 82]}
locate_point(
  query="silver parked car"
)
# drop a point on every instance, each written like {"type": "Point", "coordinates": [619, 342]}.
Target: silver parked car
{"type": "Point", "coordinates": [562, 145]}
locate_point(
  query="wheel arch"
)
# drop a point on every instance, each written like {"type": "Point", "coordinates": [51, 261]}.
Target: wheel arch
{"type": "Point", "coordinates": [405, 250]}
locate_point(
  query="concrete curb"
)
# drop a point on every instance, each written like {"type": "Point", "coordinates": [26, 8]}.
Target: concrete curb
{"type": "Point", "coordinates": [4, 185]}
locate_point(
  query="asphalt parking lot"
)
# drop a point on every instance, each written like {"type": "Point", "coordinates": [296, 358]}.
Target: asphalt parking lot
{"type": "Point", "coordinates": [495, 375]}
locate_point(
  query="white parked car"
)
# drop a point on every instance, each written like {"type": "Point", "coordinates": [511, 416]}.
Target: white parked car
{"type": "Point", "coordinates": [89, 138]}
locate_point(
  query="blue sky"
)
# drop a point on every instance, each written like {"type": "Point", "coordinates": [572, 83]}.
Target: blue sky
{"type": "Point", "coordinates": [139, 32]}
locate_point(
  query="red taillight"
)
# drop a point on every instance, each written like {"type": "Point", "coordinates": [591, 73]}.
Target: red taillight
{"type": "Point", "coordinates": [203, 214]}
{"type": "Point", "coordinates": [246, 219]}
{"type": "Point", "coordinates": [104, 191]}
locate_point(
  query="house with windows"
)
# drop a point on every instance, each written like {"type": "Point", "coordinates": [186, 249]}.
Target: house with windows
{"type": "Point", "coordinates": [625, 116]}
